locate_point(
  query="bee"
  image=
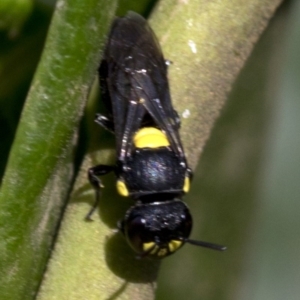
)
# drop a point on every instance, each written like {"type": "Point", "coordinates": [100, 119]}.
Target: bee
{"type": "Point", "coordinates": [151, 166]}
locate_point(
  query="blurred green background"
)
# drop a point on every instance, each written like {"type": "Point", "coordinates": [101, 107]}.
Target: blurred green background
{"type": "Point", "coordinates": [247, 193]}
{"type": "Point", "coordinates": [246, 188]}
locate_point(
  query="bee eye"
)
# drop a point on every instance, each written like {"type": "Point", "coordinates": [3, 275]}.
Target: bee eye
{"type": "Point", "coordinates": [136, 233]}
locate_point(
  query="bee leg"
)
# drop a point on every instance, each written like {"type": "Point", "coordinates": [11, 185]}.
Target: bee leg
{"type": "Point", "coordinates": [105, 122]}
{"type": "Point", "coordinates": [93, 174]}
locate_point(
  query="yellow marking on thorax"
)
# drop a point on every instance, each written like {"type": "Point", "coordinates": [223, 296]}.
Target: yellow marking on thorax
{"type": "Point", "coordinates": [186, 185]}
{"type": "Point", "coordinates": [150, 137]}
{"type": "Point", "coordinates": [122, 189]}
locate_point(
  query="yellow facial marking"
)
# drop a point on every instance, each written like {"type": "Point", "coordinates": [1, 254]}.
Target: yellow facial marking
{"type": "Point", "coordinates": [174, 245]}
{"type": "Point", "coordinates": [154, 251]}
{"type": "Point", "coordinates": [186, 185]}
{"type": "Point", "coordinates": [148, 246]}
{"type": "Point", "coordinates": [150, 137]}
{"type": "Point", "coordinates": [162, 252]}
{"type": "Point", "coordinates": [122, 189]}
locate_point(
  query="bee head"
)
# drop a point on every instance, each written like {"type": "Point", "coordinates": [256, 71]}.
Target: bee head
{"type": "Point", "coordinates": [157, 229]}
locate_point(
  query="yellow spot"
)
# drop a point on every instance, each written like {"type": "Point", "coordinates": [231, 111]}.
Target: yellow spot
{"type": "Point", "coordinates": [174, 245]}
{"type": "Point", "coordinates": [154, 251]}
{"type": "Point", "coordinates": [122, 189]}
{"type": "Point", "coordinates": [150, 137]}
{"type": "Point", "coordinates": [186, 185]}
{"type": "Point", "coordinates": [162, 252]}
{"type": "Point", "coordinates": [148, 246]}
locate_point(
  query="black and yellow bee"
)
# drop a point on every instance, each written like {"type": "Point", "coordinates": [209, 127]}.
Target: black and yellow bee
{"type": "Point", "coordinates": [151, 165]}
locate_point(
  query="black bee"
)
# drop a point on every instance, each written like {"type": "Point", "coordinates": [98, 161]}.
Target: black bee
{"type": "Point", "coordinates": [151, 165]}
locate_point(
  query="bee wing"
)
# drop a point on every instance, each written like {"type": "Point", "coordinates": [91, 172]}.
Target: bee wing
{"type": "Point", "coordinates": [137, 82]}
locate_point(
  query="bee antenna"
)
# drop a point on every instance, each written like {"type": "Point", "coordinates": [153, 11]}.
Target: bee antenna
{"type": "Point", "coordinates": [204, 244]}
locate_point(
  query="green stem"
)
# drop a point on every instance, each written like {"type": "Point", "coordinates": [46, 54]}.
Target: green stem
{"type": "Point", "coordinates": [39, 170]}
